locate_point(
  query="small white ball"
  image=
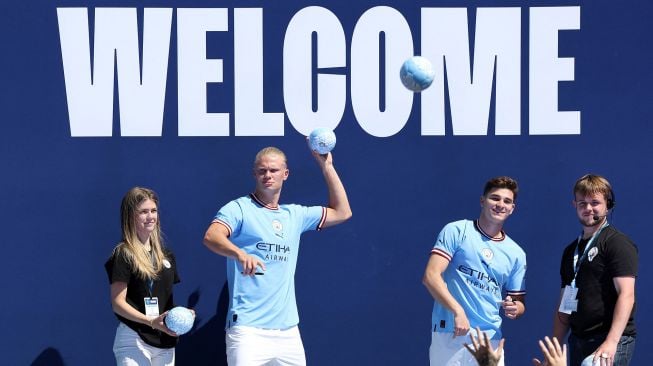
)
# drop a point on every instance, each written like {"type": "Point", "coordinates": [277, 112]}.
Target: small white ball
{"type": "Point", "coordinates": [322, 140]}
{"type": "Point", "coordinates": [417, 73]}
{"type": "Point", "coordinates": [588, 361]}
{"type": "Point", "coordinates": [179, 320]}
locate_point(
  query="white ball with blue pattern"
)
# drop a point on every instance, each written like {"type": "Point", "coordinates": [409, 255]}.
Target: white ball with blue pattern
{"type": "Point", "coordinates": [322, 140]}
{"type": "Point", "coordinates": [588, 361]}
{"type": "Point", "coordinates": [417, 73]}
{"type": "Point", "coordinates": [180, 320]}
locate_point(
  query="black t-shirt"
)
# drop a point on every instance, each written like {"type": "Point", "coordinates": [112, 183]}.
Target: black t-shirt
{"type": "Point", "coordinates": [119, 270]}
{"type": "Point", "coordinates": [612, 254]}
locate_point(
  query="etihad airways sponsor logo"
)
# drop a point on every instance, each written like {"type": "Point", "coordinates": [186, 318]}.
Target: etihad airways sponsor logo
{"type": "Point", "coordinates": [274, 252]}
{"type": "Point", "coordinates": [480, 279]}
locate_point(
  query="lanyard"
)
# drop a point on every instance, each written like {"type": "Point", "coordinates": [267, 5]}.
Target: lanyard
{"type": "Point", "coordinates": [578, 261]}
{"type": "Point", "coordinates": [150, 285]}
{"type": "Point", "coordinates": [150, 281]}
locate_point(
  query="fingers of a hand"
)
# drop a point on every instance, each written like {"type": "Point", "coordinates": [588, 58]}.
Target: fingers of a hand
{"type": "Point", "coordinates": [501, 342]}
{"type": "Point", "coordinates": [160, 320]}
{"type": "Point", "coordinates": [556, 346]}
{"type": "Point", "coordinates": [545, 351]}
{"type": "Point", "coordinates": [249, 265]}
{"type": "Point", "coordinates": [470, 349]}
{"type": "Point", "coordinates": [474, 341]}
{"type": "Point", "coordinates": [460, 327]}
{"type": "Point", "coordinates": [537, 362]}
{"type": "Point", "coordinates": [160, 324]}
{"type": "Point", "coordinates": [460, 331]}
{"type": "Point", "coordinates": [260, 264]}
{"type": "Point", "coordinates": [602, 357]}
{"type": "Point", "coordinates": [246, 265]}
{"type": "Point", "coordinates": [499, 351]}
{"type": "Point", "coordinates": [598, 359]}
{"type": "Point", "coordinates": [549, 345]}
{"type": "Point", "coordinates": [486, 339]}
{"type": "Point", "coordinates": [169, 332]}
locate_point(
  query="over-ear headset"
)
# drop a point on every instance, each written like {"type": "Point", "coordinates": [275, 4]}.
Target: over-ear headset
{"type": "Point", "coordinates": [611, 201]}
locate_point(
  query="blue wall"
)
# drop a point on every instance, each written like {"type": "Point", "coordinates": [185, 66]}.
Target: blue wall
{"type": "Point", "coordinates": [359, 284]}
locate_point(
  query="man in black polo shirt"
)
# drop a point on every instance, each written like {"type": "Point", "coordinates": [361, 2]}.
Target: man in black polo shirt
{"type": "Point", "coordinates": [598, 271]}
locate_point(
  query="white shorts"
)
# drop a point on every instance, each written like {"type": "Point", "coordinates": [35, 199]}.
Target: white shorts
{"type": "Point", "coordinates": [449, 351]}
{"type": "Point", "coordinates": [130, 350]}
{"type": "Point", "coordinates": [249, 346]}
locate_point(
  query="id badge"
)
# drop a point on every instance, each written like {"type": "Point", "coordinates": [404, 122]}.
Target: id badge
{"type": "Point", "coordinates": [152, 307]}
{"type": "Point", "coordinates": [569, 304]}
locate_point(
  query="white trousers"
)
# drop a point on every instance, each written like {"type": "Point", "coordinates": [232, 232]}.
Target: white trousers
{"type": "Point", "coordinates": [130, 350]}
{"type": "Point", "coordinates": [249, 346]}
{"type": "Point", "coordinates": [449, 351]}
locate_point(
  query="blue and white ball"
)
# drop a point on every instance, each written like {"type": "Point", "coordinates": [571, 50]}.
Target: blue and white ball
{"type": "Point", "coordinates": [588, 361]}
{"type": "Point", "coordinates": [179, 320]}
{"type": "Point", "coordinates": [417, 73]}
{"type": "Point", "coordinates": [322, 140]}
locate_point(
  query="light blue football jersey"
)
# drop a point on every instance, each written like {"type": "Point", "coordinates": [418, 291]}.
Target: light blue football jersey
{"type": "Point", "coordinates": [271, 234]}
{"type": "Point", "coordinates": [480, 272]}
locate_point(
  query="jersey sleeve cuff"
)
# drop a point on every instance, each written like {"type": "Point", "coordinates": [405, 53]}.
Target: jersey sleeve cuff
{"type": "Point", "coordinates": [441, 253]}
{"type": "Point", "coordinates": [226, 225]}
{"type": "Point", "coordinates": [322, 219]}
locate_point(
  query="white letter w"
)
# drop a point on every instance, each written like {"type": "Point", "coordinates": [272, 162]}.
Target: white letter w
{"type": "Point", "coordinates": [89, 83]}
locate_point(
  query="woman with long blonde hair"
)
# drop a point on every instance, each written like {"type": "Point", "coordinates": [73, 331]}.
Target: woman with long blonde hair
{"type": "Point", "coordinates": [141, 272]}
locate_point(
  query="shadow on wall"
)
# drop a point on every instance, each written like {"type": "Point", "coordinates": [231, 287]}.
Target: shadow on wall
{"type": "Point", "coordinates": [205, 345]}
{"type": "Point", "coordinates": [199, 347]}
{"type": "Point", "coordinates": [49, 357]}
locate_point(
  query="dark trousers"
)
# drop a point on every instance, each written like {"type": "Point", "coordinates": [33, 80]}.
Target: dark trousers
{"type": "Point", "coordinates": [580, 348]}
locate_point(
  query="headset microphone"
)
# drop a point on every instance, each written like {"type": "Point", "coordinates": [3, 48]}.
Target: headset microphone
{"type": "Point", "coordinates": [597, 217]}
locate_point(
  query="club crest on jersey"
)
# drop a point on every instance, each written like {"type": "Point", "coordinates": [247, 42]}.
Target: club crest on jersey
{"type": "Point", "coordinates": [278, 228]}
{"type": "Point", "coordinates": [487, 254]}
{"type": "Point", "coordinates": [592, 253]}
